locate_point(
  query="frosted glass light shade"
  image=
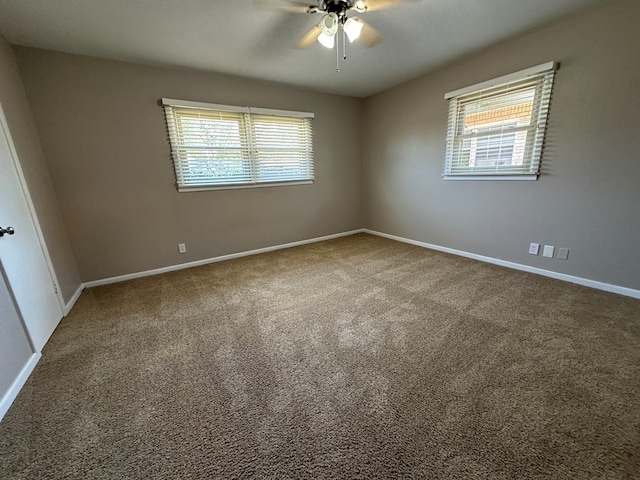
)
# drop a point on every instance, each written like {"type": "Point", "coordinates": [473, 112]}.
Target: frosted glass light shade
{"type": "Point", "coordinates": [327, 40]}
{"type": "Point", "coordinates": [353, 28]}
{"type": "Point", "coordinates": [360, 6]}
{"type": "Point", "coordinates": [329, 25]}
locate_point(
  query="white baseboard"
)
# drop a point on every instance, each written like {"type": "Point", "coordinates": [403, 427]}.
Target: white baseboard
{"type": "Point", "coordinates": [629, 292]}
{"type": "Point", "coordinates": [197, 263]}
{"type": "Point", "coordinates": [18, 383]}
{"type": "Point", "coordinates": [73, 300]}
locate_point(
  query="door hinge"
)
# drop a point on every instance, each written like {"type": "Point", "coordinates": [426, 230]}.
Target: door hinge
{"type": "Point", "coordinates": [55, 287]}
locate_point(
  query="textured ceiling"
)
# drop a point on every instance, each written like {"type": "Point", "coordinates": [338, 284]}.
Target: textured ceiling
{"type": "Point", "coordinates": [235, 37]}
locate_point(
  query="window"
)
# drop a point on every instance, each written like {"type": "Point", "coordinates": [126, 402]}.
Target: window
{"type": "Point", "coordinates": [220, 146]}
{"type": "Point", "coordinates": [496, 128]}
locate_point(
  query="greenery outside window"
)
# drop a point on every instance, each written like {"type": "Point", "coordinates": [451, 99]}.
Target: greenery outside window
{"type": "Point", "coordinates": [221, 146]}
{"type": "Point", "coordinates": [496, 129]}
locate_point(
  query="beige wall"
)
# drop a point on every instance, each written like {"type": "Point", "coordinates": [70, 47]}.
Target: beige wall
{"type": "Point", "coordinates": [107, 150]}
{"type": "Point", "coordinates": [25, 139]}
{"type": "Point", "coordinates": [588, 196]}
{"type": "Point", "coordinates": [108, 156]}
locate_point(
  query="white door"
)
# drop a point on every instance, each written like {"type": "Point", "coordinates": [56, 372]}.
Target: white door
{"type": "Point", "coordinates": [23, 253]}
{"type": "Point", "coordinates": [15, 349]}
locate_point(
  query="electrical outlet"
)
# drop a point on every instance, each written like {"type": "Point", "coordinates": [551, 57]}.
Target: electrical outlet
{"type": "Point", "coordinates": [548, 251]}
{"type": "Point", "coordinates": [563, 253]}
{"type": "Point", "coordinates": [182, 248]}
{"type": "Point", "coordinates": [534, 248]}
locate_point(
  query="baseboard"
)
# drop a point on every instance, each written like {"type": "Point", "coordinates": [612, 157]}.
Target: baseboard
{"type": "Point", "coordinates": [18, 383]}
{"type": "Point", "coordinates": [197, 263]}
{"type": "Point", "coordinates": [629, 292]}
{"type": "Point", "coordinates": [73, 300]}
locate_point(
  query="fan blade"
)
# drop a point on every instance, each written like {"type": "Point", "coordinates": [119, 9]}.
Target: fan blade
{"type": "Point", "coordinates": [373, 5]}
{"type": "Point", "coordinates": [286, 5]}
{"type": "Point", "coordinates": [310, 37]}
{"type": "Point", "coordinates": [369, 35]}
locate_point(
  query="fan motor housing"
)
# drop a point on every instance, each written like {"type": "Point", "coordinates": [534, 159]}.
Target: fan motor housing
{"type": "Point", "coordinates": [339, 7]}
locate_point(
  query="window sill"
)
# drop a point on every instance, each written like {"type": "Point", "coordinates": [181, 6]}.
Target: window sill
{"type": "Point", "coordinates": [531, 176]}
{"type": "Point", "coordinates": [242, 185]}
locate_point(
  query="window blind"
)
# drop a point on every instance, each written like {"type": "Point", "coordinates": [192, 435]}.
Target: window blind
{"type": "Point", "coordinates": [283, 148]}
{"type": "Point", "coordinates": [497, 129]}
{"type": "Point", "coordinates": [220, 146]}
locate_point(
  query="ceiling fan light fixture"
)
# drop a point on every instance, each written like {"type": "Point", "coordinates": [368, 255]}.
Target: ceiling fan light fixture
{"type": "Point", "coordinates": [360, 6]}
{"type": "Point", "coordinates": [327, 40]}
{"type": "Point", "coordinates": [329, 26]}
{"type": "Point", "coordinates": [353, 28]}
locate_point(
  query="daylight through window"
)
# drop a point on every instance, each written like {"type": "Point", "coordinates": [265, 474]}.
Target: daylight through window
{"type": "Point", "coordinates": [220, 146]}
{"type": "Point", "coordinates": [496, 128]}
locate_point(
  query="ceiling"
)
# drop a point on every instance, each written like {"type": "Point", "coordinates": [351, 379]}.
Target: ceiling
{"type": "Point", "coordinates": [236, 37]}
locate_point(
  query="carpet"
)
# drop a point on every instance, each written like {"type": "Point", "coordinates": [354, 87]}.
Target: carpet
{"type": "Point", "coordinates": [358, 358]}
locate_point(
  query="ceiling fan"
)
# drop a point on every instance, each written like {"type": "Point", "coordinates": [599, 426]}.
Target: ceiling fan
{"type": "Point", "coordinates": [336, 21]}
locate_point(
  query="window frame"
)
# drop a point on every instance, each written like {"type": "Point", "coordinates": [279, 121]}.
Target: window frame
{"type": "Point", "coordinates": [532, 156]}
{"type": "Point", "coordinates": [248, 118]}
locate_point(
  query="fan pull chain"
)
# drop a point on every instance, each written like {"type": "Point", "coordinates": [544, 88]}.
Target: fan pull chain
{"type": "Point", "coordinates": [344, 44]}
{"type": "Point", "coordinates": [337, 54]}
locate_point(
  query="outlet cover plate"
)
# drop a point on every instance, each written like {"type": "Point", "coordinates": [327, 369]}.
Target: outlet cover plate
{"type": "Point", "coordinates": [182, 248]}
{"type": "Point", "coordinates": [563, 253]}
{"type": "Point", "coordinates": [534, 248]}
{"type": "Point", "coordinates": [548, 251]}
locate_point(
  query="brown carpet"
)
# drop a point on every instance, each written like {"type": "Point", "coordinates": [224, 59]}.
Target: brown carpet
{"type": "Point", "coordinates": [354, 358]}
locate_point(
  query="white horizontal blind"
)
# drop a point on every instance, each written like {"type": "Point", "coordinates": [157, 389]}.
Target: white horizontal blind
{"type": "Point", "coordinates": [499, 130]}
{"type": "Point", "coordinates": [283, 148]}
{"type": "Point", "coordinates": [209, 147]}
{"type": "Point", "coordinates": [229, 146]}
